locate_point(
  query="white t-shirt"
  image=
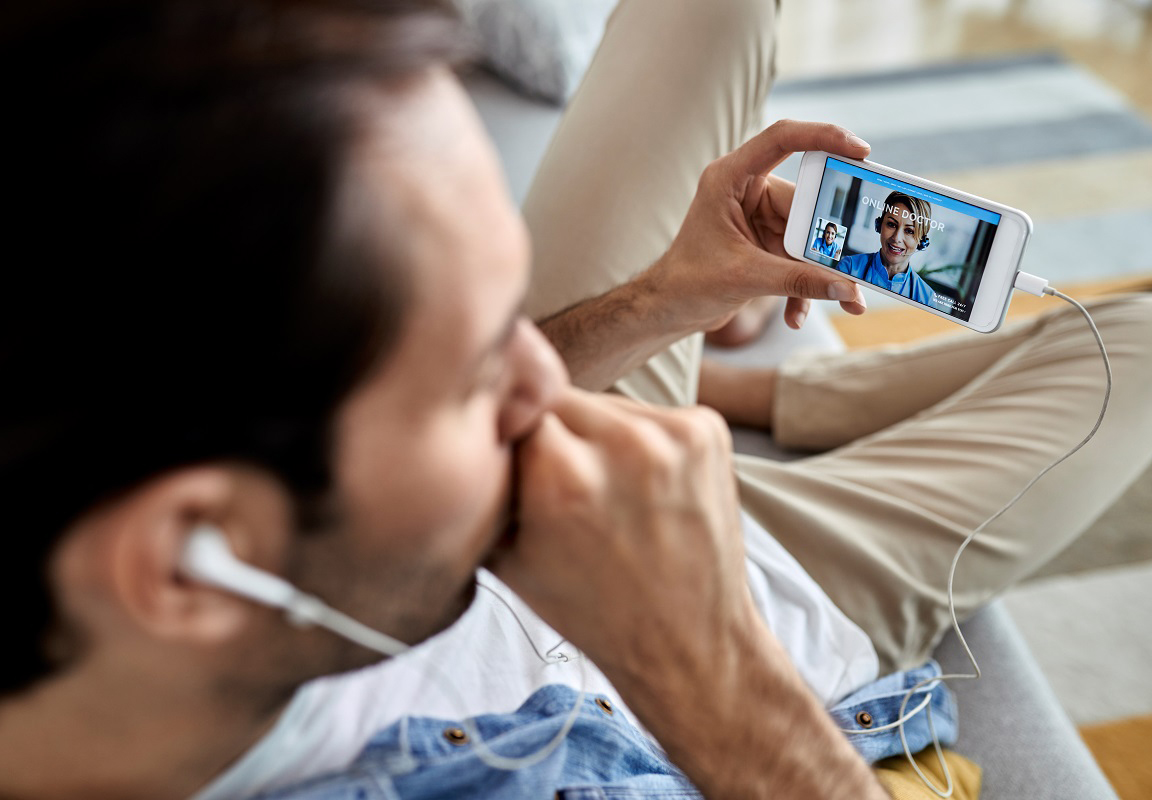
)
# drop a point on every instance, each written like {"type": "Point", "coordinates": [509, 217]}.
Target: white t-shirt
{"type": "Point", "coordinates": [500, 652]}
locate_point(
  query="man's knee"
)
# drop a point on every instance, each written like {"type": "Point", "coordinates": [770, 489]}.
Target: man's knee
{"type": "Point", "coordinates": [1124, 311]}
{"type": "Point", "coordinates": [1124, 319]}
{"type": "Point", "coordinates": [740, 15]}
{"type": "Point", "coordinates": [1125, 325]}
{"type": "Point", "coordinates": [729, 24]}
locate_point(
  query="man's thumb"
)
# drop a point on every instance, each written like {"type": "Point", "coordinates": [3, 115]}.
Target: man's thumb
{"type": "Point", "coordinates": [802, 280]}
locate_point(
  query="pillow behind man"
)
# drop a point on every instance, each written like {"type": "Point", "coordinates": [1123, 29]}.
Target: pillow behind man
{"type": "Point", "coordinates": [542, 47]}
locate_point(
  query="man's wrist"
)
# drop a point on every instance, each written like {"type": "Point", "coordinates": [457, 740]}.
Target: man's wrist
{"type": "Point", "coordinates": [740, 721]}
{"type": "Point", "coordinates": [606, 336]}
{"type": "Point", "coordinates": [659, 302]}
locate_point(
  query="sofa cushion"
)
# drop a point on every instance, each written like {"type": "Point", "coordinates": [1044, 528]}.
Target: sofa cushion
{"type": "Point", "coordinates": [542, 47]}
{"type": "Point", "coordinates": [1011, 723]}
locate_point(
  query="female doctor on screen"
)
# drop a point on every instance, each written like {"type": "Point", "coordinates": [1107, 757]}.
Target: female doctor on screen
{"type": "Point", "coordinates": [903, 227]}
{"type": "Point", "coordinates": [825, 244]}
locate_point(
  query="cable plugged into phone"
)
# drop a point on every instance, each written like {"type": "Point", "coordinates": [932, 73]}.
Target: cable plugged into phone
{"type": "Point", "coordinates": [1033, 284]}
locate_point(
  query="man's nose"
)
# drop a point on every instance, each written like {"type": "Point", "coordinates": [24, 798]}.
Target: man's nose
{"type": "Point", "coordinates": [538, 377]}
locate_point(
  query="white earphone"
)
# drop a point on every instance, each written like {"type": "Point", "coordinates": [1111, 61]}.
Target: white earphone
{"type": "Point", "coordinates": [208, 559]}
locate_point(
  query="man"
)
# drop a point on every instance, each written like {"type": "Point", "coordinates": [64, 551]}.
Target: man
{"type": "Point", "coordinates": [307, 345]}
{"type": "Point", "coordinates": [300, 340]}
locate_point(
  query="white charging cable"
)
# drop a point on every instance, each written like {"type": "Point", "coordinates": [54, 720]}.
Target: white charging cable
{"type": "Point", "coordinates": [1039, 287]}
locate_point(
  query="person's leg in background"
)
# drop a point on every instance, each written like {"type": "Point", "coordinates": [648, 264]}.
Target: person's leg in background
{"type": "Point", "coordinates": [933, 439]}
{"type": "Point", "coordinates": [675, 85]}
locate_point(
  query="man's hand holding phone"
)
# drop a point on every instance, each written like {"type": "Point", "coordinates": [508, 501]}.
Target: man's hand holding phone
{"type": "Point", "coordinates": [730, 248]}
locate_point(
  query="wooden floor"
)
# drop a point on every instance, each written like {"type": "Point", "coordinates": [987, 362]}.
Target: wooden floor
{"type": "Point", "coordinates": [1122, 749]}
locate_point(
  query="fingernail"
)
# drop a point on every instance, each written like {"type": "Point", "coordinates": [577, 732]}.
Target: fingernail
{"type": "Point", "coordinates": [841, 291]}
{"type": "Point", "coordinates": [800, 319]}
{"type": "Point", "coordinates": [856, 141]}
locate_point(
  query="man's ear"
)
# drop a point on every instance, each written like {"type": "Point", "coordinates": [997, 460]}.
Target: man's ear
{"type": "Point", "coordinates": [118, 566]}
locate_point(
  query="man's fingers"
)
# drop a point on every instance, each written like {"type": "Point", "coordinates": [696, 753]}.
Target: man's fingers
{"type": "Point", "coordinates": [586, 414]}
{"type": "Point", "coordinates": [795, 312]}
{"type": "Point", "coordinates": [766, 150]}
{"type": "Point", "coordinates": [634, 430]}
{"type": "Point", "coordinates": [611, 421]}
{"type": "Point", "coordinates": [776, 200]}
{"type": "Point", "coordinates": [797, 308]}
{"type": "Point", "coordinates": [855, 307]}
{"type": "Point", "coordinates": [786, 277]}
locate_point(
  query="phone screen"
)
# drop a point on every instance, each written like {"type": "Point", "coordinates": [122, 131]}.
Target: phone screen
{"type": "Point", "coordinates": [914, 242]}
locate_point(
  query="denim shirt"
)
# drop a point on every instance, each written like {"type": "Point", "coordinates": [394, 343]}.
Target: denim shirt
{"type": "Point", "coordinates": [603, 757]}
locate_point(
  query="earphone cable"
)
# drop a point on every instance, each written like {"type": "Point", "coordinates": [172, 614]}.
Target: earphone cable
{"type": "Point", "coordinates": [901, 718]}
{"type": "Point", "coordinates": [308, 610]}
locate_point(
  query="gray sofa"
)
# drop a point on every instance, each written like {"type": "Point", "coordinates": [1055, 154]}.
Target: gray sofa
{"type": "Point", "coordinates": [1010, 722]}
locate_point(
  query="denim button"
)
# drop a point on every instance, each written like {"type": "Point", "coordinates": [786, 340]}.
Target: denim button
{"type": "Point", "coordinates": [605, 706]}
{"type": "Point", "coordinates": [864, 719]}
{"type": "Point", "coordinates": [456, 736]}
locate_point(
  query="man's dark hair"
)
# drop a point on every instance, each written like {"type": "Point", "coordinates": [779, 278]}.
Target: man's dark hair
{"type": "Point", "coordinates": [173, 289]}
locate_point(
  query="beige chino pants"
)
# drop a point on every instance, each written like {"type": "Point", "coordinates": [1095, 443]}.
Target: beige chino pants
{"type": "Point", "coordinates": [923, 442]}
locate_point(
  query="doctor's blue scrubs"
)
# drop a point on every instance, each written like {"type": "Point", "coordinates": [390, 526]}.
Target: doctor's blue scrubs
{"type": "Point", "coordinates": [823, 248]}
{"type": "Point", "coordinates": [869, 267]}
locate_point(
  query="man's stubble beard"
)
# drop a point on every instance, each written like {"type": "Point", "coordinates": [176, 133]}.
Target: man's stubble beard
{"type": "Point", "coordinates": [323, 566]}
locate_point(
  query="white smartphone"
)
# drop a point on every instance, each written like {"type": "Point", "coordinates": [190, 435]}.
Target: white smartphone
{"type": "Point", "coordinates": [942, 250]}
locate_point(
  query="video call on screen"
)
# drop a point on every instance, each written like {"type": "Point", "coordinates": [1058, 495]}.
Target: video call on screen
{"type": "Point", "coordinates": [911, 241]}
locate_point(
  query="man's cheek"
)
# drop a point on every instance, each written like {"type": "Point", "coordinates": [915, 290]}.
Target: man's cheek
{"type": "Point", "coordinates": [470, 499]}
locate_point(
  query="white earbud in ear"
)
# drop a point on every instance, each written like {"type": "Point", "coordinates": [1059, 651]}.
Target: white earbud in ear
{"type": "Point", "coordinates": [208, 559]}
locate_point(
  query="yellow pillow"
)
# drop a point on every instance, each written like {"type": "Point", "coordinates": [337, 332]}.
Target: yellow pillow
{"type": "Point", "coordinates": [897, 776]}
